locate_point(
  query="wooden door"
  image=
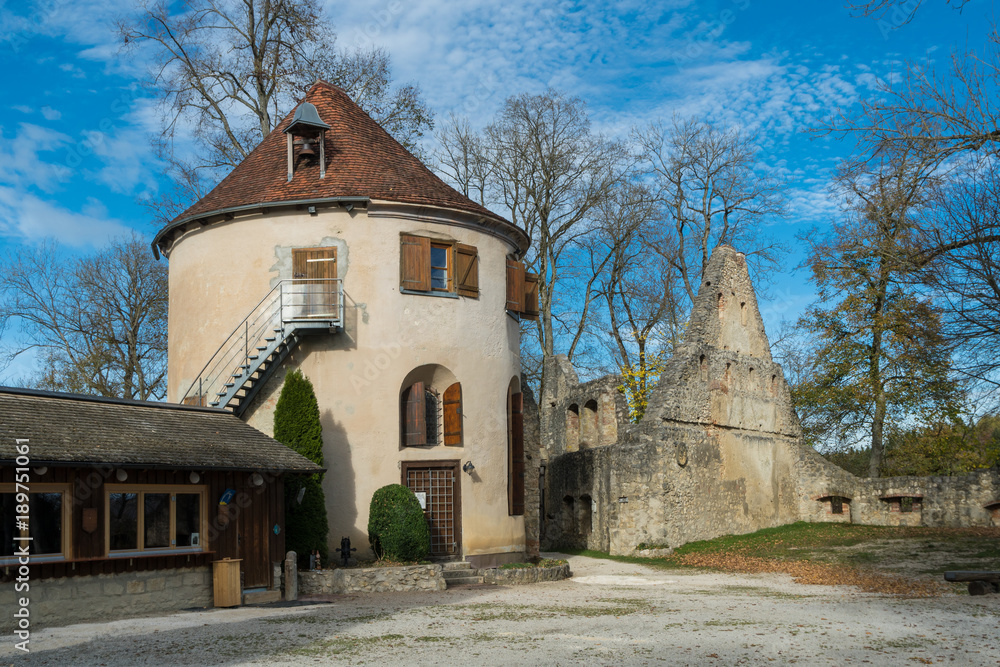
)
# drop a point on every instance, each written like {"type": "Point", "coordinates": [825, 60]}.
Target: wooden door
{"type": "Point", "coordinates": [254, 541]}
{"type": "Point", "coordinates": [439, 481]}
{"type": "Point", "coordinates": [313, 290]}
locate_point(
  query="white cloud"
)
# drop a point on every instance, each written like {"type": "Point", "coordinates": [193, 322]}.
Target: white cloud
{"type": "Point", "coordinates": [25, 217]}
{"type": "Point", "coordinates": [20, 162]}
{"type": "Point", "coordinates": [51, 114]}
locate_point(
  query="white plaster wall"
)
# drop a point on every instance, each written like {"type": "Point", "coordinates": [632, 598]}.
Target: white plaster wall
{"type": "Point", "coordinates": [218, 273]}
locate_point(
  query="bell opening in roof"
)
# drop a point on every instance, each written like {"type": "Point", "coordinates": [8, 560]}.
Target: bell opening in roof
{"type": "Point", "coordinates": [310, 129]}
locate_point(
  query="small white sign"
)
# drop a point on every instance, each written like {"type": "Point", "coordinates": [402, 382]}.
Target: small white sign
{"type": "Point", "coordinates": [422, 499]}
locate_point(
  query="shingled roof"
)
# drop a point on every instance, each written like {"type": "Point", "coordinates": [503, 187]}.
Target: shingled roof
{"type": "Point", "coordinates": [73, 429]}
{"type": "Point", "coordinates": [363, 161]}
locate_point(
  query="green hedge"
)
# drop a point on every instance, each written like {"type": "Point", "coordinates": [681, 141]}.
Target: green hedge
{"type": "Point", "coordinates": [397, 529]}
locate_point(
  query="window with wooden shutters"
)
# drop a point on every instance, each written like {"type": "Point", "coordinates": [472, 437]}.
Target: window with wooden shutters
{"type": "Point", "coordinates": [414, 417]}
{"type": "Point", "coordinates": [515, 482]}
{"type": "Point", "coordinates": [515, 286]}
{"type": "Point", "coordinates": [530, 305]}
{"type": "Point", "coordinates": [415, 263]}
{"type": "Point", "coordinates": [467, 270]}
{"type": "Point", "coordinates": [453, 416]}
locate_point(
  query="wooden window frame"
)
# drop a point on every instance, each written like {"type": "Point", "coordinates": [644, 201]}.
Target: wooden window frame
{"type": "Point", "coordinates": [449, 267]}
{"type": "Point", "coordinates": [449, 402]}
{"type": "Point", "coordinates": [416, 267]}
{"type": "Point", "coordinates": [67, 520]}
{"type": "Point", "coordinates": [141, 490]}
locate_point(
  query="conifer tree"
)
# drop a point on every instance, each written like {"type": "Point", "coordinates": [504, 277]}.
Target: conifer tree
{"type": "Point", "coordinates": [297, 425]}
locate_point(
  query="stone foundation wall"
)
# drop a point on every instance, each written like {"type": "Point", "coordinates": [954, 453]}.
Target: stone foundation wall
{"type": "Point", "coordinates": [934, 501]}
{"type": "Point", "coordinates": [106, 597]}
{"type": "Point", "coordinates": [525, 575]}
{"type": "Point", "coordinates": [371, 580]}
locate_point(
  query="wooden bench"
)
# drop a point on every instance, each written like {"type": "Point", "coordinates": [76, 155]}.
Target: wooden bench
{"type": "Point", "coordinates": [980, 583]}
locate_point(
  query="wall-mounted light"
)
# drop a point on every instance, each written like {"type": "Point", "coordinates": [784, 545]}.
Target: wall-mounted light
{"type": "Point", "coordinates": [302, 494]}
{"type": "Point", "coordinates": [194, 477]}
{"type": "Point", "coordinates": [468, 467]}
{"type": "Point", "coordinates": [312, 210]}
{"type": "Point", "coordinates": [623, 499]}
{"type": "Point", "coordinates": [256, 479]}
{"type": "Point", "coordinates": [121, 475]}
{"type": "Point", "coordinates": [41, 470]}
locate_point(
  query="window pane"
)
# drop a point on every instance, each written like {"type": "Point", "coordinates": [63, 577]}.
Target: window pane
{"type": "Point", "coordinates": [188, 511]}
{"type": "Point", "coordinates": [123, 508]}
{"type": "Point", "coordinates": [45, 524]}
{"type": "Point", "coordinates": [8, 515]}
{"type": "Point", "coordinates": [439, 257]}
{"type": "Point", "coordinates": [156, 520]}
{"type": "Point", "coordinates": [439, 279]}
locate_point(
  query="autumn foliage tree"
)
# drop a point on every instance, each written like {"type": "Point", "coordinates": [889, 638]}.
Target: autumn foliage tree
{"type": "Point", "coordinates": [880, 355]}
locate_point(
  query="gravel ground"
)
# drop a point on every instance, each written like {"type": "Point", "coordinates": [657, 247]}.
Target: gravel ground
{"type": "Point", "coordinates": [608, 614]}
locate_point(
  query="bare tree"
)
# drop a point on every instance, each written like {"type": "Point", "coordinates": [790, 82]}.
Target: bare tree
{"type": "Point", "coordinates": [539, 163]}
{"type": "Point", "coordinates": [230, 69]}
{"type": "Point", "coordinates": [711, 191]}
{"type": "Point", "coordinates": [98, 323]}
{"type": "Point", "coordinates": [939, 115]}
{"type": "Point", "coordinates": [900, 12]}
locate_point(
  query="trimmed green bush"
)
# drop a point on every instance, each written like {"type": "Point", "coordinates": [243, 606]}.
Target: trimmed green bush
{"type": "Point", "coordinates": [297, 425]}
{"type": "Point", "coordinates": [397, 529]}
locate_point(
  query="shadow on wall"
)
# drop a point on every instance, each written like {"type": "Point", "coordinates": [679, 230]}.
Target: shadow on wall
{"type": "Point", "coordinates": [339, 487]}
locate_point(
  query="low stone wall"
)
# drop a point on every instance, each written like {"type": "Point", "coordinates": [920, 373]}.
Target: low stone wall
{"type": "Point", "coordinates": [106, 597]}
{"type": "Point", "coordinates": [525, 575]}
{"type": "Point", "coordinates": [372, 580]}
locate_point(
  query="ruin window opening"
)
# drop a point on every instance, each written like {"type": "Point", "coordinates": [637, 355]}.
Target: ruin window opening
{"type": "Point", "coordinates": [704, 368]}
{"type": "Point", "coordinates": [573, 428]}
{"type": "Point", "coordinates": [743, 313]}
{"type": "Point", "coordinates": [586, 515]}
{"type": "Point", "coordinates": [589, 434]}
{"type": "Point", "coordinates": [837, 505]}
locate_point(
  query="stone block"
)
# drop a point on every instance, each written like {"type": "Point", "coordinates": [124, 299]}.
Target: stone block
{"type": "Point", "coordinates": [156, 584]}
{"type": "Point", "coordinates": [135, 587]}
{"type": "Point", "coordinates": [113, 588]}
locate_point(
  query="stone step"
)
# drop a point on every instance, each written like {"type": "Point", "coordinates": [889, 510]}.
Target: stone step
{"type": "Point", "coordinates": [459, 566]}
{"type": "Point", "coordinates": [463, 581]}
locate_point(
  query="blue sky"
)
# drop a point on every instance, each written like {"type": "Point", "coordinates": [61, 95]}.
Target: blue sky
{"type": "Point", "coordinates": [74, 121]}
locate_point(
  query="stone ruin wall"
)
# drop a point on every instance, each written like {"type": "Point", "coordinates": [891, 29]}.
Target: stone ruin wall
{"type": "Point", "coordinates": [719, 450]}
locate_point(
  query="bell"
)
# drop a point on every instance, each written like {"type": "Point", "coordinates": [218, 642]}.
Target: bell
{"type": "Point", "coordinates": [307, 150]}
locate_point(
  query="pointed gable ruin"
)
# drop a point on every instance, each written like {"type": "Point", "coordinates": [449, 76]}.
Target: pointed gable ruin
{"type": "Point", "coordinates": [719, 450]}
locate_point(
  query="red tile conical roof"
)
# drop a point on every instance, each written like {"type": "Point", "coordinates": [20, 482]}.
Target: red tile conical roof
{"type": "Point", "coordinates": [363, 160]}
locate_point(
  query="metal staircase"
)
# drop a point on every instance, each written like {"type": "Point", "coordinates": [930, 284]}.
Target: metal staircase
{"type": "Point", "coordinates": [261, 342]}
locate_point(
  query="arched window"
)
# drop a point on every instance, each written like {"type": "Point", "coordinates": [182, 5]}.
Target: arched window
{"type": "Point", "coordinates": [428, 417]}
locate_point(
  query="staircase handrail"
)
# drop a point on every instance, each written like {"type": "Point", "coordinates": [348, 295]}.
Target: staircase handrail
{"type": "Point", "coordinates": [236, 348]}
{"type": "Point", "coordinates": [239, 327]}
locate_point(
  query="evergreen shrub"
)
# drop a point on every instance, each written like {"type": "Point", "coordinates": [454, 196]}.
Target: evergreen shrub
{"type": "Point", "coordinates": [297, 425]}
{"type": "Point", "coordinates": [397, 529]}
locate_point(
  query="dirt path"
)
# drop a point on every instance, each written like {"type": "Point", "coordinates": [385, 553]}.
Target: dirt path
{"type": "Point", "coordinates": [608, 614]}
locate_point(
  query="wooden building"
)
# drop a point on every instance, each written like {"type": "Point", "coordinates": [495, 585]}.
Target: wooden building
{"type": "Point", "coordinates": [133, 502]}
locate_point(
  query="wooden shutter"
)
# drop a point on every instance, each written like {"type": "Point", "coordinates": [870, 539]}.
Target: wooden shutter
{"type": "Point", "coordinates": [467, 270]}
{"type": "Point", "coordinates": [453, 415]}
{"type": "Point", "coordinates": [515, 286]}
{"type": "Point", "coordinates": [530, 305]}
{"type": "Point", "coordinates": [414, 416]}
{"type": "Point", "coordinates": [516, 483]}
{"type": "Point", "coordinates": [415, 263]}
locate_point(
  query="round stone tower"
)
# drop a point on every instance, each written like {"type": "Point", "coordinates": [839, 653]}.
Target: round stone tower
{"type": "Point", "coordinates": [333, 250]}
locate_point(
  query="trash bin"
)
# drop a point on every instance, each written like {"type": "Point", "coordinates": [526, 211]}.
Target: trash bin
{"type": "Point", "coordinates": [227, 582]}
